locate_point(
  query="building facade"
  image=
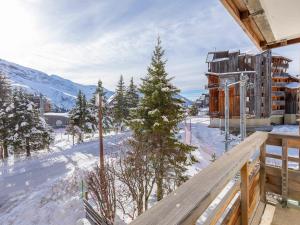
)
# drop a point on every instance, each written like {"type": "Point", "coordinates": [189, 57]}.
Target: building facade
{"type": "Point", "coordinates": [227, 65]}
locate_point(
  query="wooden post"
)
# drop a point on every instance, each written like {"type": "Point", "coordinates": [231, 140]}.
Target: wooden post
{"type": "Point", "coordinates": [284, 172]}
{"type": "Point", "coordinates": [86, 197]}
{"type": "Point", "coordinates": [262, 171]}
{"type": "Point", "coordinates": [245, 194]}
{"type": "Point", "coordinates": [101, 148]}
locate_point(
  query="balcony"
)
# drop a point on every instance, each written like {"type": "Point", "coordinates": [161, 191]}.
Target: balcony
{"type": "Point", "coordinates": [278, 102]}
{"type": "Point", "coordinates": [213, 85]}
{"type": "Point", "coordinates": [278, 112]}
{"type": "Point", "coordinates": [279, 84]}
{"type": "Point", "coordinates": [236, 188]}
{"type": "Point", "coordinates": [278, 93]}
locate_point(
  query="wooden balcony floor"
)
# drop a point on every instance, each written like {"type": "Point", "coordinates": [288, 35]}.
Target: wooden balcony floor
{"type": "Point", "coordinates": [276, 215]}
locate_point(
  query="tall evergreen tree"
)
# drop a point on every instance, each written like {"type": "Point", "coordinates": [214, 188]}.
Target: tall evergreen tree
{"type": "Point", "coordinates": [120, 107]}
{"type": "Point", "coordinates": [156, 122]}
{"type": "Point", "coordinates": [30, 131]}
{"type": "Point", "coordinates": [81, 118]}
{"type": "Point", "coordinates": [193, 110]}
{"type": "Point", "coordinates": [107, 120]}
{"type": "Point", "coordinates": [5, 99]}
{"type": "Point", "coordinates": [132, 95]}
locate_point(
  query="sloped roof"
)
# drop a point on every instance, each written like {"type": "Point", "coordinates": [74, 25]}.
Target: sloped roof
{"type": "Point", "coordinates": [268, 23]}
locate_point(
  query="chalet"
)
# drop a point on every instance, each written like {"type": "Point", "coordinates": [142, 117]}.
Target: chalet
{"type": "Point", "coordinates": [225, 65]}
{"type": "Point", "coordinates": [284, 92]}
{"type": "Point", "coordinates": [42, 103]}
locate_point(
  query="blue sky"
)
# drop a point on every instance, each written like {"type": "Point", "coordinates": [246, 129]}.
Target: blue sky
{"type": "Point", "coordinates": [87, 40]}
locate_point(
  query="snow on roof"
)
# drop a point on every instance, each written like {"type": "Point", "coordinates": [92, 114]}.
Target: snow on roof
{"type": "Point", "coordinates": [56, 114]}
{"type": "Point", "coordinates": [293, 85]}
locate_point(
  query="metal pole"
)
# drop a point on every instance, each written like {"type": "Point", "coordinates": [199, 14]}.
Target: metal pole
{"type": "Point", "coordinates": [242, 107]}
{"type": "Point", "coordinates": [226, 122]}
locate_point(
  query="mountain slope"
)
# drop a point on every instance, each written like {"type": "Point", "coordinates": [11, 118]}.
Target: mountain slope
{"type": "Point", "coordinates": [60, 91]}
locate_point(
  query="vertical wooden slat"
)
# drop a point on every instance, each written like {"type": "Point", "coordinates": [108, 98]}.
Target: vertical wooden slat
{"type": "Point", "coordinates": [245, 194]}
{"type": "Point", "coordinates": [262, 175]}
{"type": "Point", "coordinates": [284, 172]}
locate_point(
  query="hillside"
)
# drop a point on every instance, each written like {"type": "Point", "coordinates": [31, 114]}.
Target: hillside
{"type": "Point", "coordinates": [60, 91]}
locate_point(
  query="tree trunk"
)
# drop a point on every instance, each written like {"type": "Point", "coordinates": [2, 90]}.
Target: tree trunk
{"type": "Point", "coordinates": [1, 152]}
{"type": "Point", "coordinates": [27, 147]}
{"type": "Point", "coordinates": [159, 182]}
{"type": "Point", "coordinates": [5, 150]}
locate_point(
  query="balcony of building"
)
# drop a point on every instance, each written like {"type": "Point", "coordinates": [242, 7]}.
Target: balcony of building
{"type": "Point", "coordinates": [247, 185]}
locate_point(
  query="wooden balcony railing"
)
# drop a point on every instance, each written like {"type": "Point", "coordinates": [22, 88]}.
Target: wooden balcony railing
{"type": "Point", "coordinates": [278, 102]}
{"type": "Point", "coordinates": [243, 174]}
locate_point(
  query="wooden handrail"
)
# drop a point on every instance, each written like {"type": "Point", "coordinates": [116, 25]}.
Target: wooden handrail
{"type": "Point", "coordinates": [186, 204]}
{"type": "Point", "coordinates": [276, 139]}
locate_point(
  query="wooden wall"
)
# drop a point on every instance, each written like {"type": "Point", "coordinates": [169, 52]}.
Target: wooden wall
{"type": "Point", "coordinates": [259, 97]}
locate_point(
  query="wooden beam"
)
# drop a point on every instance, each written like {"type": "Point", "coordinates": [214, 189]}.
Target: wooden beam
{"type": "Point", "coordinates": [279, 157]}
{"type": "Point", "coordinates": [216, 214]}
{"type": "Point", "coordinates": [274, 182]}
{"type": "Point", "coordinates": [278, 44]}
{"type": "Point", "coordinates": [255, 25]}
{"type": "Point", "coordinates": [284, 172]}
{"type": "Point", "coordinates": [245, 194]}
{"type": "Point", "coordinates": [245, 24]}
{"type": "Point", "coordinates": [262, 175]}
{"type": "Point", "coordinates": [276, 139]}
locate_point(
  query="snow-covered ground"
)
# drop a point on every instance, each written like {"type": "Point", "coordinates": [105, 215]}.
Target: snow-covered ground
{"type": "Point", "coordinates": [46, 189]}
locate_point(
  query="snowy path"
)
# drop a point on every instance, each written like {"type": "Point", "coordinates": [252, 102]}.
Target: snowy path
{"type": "Point", "coordinates": [33, 189]}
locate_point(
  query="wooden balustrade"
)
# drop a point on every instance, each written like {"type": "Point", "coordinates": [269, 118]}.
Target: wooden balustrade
{"type": "Point", "coordinates": [245, 200]}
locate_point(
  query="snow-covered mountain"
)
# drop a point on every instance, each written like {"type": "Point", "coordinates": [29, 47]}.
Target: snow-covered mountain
{"type": "Point", "coordinates": [60, 91]}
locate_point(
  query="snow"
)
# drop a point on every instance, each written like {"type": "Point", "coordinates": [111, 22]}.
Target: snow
{"type": "Point", "coordinates": [153, 112]}
{"type": "Point", "coordinates": [293, 85]}
{"type": "Point", "coordinates": [60, 91]}
{"type": "Point", "coordinates": [45, 189]}
{"type": "Point", "coordinates": [57, 114]}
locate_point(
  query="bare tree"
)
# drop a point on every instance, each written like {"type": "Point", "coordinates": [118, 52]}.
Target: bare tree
{"type": "Point", "coordinates": [101, 186]}
{"type": "Point", "coordinates": [133, 169]}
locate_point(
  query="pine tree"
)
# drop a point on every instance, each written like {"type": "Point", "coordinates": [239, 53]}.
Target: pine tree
{"type": "Point", "coordinates": [120, 107]}
{"type": "Point", "coordinates": [193, 111]}
{"type": "Point", "coordinates": [156, 122]}
{"type": "Point", "coordinates": [107, 120]}
{"type": "Point", "coordinates": [132, 96]}
{"type": "Point", "coordinates": [81, 118]}
{"type": "Point", "coordinates": [30, 131]}
{"type": "Point", "coordinates": [5, 99]}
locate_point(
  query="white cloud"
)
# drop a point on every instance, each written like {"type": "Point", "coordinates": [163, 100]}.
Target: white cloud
{"type": "Point", "coordinates": [91, 39]}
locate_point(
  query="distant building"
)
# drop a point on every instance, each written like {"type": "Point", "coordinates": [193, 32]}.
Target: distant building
{"type": "Point", "coordinates": [202, 101]}
{"type": "Point", "coordinates": [42, 103]}
{"type": "Point", "coordinates": [225, 65]}
{"type": "Point", "coordinates": [285, 89]}
{"type": "Point", "coordinates": [57, 120]}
